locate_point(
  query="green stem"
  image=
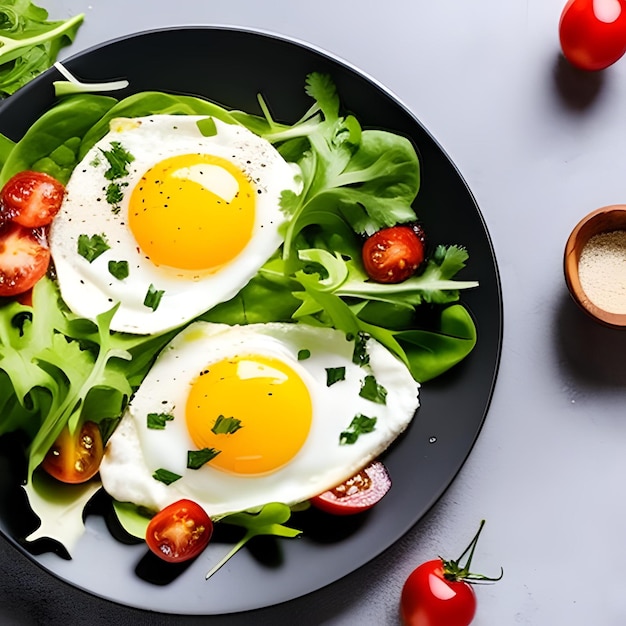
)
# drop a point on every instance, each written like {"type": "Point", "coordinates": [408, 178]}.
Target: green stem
{"type": "Point", "coordinates": [10, 48]}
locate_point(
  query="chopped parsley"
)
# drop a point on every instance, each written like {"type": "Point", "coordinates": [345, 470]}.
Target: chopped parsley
{"type": "Point", "coordinates": [91, 248]}
{"type": "Point", "coordinates": [371, 390]}
{"type": "Point", "coordinates": [360, 355]}
{"type": "Point", "coordinates": [360, 425]}
{"type": "Point", "coordinates": [304, 354]}
{"type": "Point", "coordinates": [118, 269]}
{"type": "Point", "coordinates": [334, 375]}
{"type": "Point", "coordinates": [118, 159]}
{"type": "Point", "coordinates": [165, 476]}
{"type": "Point", "coordinates": [157, 421]}
{"type": "Point", "coordinates": [197, 458]}
{"type": "Point", "coordinates": [226, 425]}
{"type": "Point", "coordinates": [115, 195]}
{"type": "Point", "coordinates": [153, 297]}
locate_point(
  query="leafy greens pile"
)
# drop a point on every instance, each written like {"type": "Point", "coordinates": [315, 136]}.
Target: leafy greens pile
{"type": "Point", "coordinates": [55, 368]}
{"type": "Point", "coordinates": [29, 43]}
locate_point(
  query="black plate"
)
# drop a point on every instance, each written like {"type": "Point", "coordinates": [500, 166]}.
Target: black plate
{"type": "Point", "coordinates": [231, 66]}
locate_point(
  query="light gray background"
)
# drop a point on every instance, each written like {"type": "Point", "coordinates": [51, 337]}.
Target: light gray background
{"type": "Point", "coordinates": [540, 146]}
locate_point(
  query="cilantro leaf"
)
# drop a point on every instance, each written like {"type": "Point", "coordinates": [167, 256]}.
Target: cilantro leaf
{"type": "Point", "coordinates": [153, 297]}
{"type": "Point", "coordinates": [226, 425]}
{"type": "Point", "coordinates": [91, 248]}
{"type": "Point", "coordinates": [165, 476]}
{"type": "Point", "coordinates": [118, 159]}
{"type": "Point", "coordinates": [371, 390]}
{"type": "Point", "coordinates": [360, 425]}
{"type": "Point", "coordinates": [334, 375]}
{"type": "Point", "coordinates": [118, 269]}
{"type": "Point", "coordinates": [197, 458]}
{"type": "Point", "coordinates": [158, 421]}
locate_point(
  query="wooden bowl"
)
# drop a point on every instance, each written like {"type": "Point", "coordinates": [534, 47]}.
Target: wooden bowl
{"type": "Point", "coordinates": [606, 219]}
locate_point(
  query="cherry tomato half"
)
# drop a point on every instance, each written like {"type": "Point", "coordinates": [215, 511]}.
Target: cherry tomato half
{"type": "Point", "coordinates": [429, 599]}
{"type": "Point", "coordinates": [593, 32]}
{"type": "Point", "coordinates": [24, 258]}
{"type": "Point", "coordinates": [393, 254]}
{"type": "Point", "coordinates": [75, 458]}
{"type": "Point", "coordinates": [357, 494]}
{"type": "Point", "coordinates": [31, 199]}
{"type": "Point", "coordinates": [179, 532]}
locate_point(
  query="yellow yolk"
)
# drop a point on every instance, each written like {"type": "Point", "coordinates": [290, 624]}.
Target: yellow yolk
{"type": "Point", "coordinates": [271, 413]}
{"type": "Point", "coordinates": [192, 212]}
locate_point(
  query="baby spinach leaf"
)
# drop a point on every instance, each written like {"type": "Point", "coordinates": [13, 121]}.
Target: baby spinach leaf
{"type": "Point", "coordinates": [51, 144]}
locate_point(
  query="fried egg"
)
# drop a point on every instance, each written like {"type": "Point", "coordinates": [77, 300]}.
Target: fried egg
{"type": "Point", "coordinates": [271, 406]}
{"type": "Point", "coordinates": [167, 215]}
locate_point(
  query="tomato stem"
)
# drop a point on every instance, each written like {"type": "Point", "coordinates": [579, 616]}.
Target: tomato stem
{"type": "Point", "coordinates": [454, 571]}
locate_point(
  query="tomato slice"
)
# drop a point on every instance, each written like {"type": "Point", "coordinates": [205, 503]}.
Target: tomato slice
{"type": "Point", "coordinates": [31, 199]}
{"type": "Point", "coordinates": [357, 494]}
{"type": "Point", "coordinates": [392, 255]}
{"type": "Point", "coordinates": [24, 258]}
{"type": "Point", "coordinates": [75, 458]}
{"type": "Point", "coordinates": [179, 532]}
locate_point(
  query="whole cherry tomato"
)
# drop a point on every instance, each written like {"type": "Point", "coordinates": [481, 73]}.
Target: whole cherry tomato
{"type": "Point", "coordinates": [31, 199]}
{"type": "Point", "coordinates": [439, 592]}
{"type": "Point", "coordinates": [357, 494]}
{"type": "Point", "coordinates": [75, 458]}
{"type": "Point", "coordinates": [393, 254]}
{"type": "Point", "coordinates": [179, 532]}
{"type": "Point", "coordinates": [593, 32]}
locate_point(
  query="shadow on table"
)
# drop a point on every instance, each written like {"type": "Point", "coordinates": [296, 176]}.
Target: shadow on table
{"type": "Point", "coordinates": [593, 355]}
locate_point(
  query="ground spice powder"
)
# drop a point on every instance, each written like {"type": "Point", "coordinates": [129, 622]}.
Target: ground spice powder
{"type": "Point", "coordinates": [602, 270]}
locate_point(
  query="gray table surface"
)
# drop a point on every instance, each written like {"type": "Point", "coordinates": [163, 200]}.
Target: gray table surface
{"type": "Point", "coordinates": [540, 146]}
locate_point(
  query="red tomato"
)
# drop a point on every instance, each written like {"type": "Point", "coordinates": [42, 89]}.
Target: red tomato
{"type": "Point", "coordinates": [179, 532]}
{"type": "Point", "coordinates": [31, 199]}
{"type": "Point", "coordinates": [439, 593]}
{"type": "Point", "coordinates": [357, 494]}
{"type": "Point", "coordinates": [24, 258]}
{"type": "Point", "coordinates": [392, 255]}
{"type": "Point", "coordinates": [429, 599]}
{"type": "Point", "coordinates": [593, 32]}
{"type": "Point", "coordinates": [75, 458]}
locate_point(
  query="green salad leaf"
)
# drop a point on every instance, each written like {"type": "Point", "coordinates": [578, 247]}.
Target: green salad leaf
{"type": "Point", "coordinates": [56, 368]}
{"type": "Point", "coordinates": [269, 520]}
{"type": "Point", "coordinates": [29, 43]}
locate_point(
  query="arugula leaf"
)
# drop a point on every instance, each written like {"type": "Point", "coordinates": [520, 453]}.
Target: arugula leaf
{"type": "Point", "coordinates": [29, 43]}
{"type": "Point", "coordinates": [268, 520]}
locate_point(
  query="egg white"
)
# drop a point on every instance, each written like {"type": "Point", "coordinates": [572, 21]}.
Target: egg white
{"type": "Point", "coordinates": [135, 452]}
{"type": "Point", "coordinates": [88, 288]}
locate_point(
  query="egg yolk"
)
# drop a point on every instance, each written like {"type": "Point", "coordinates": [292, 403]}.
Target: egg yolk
{"type": "Point", "coordinates": [255, 411]}
{"type": "Point", "coordinates": [192, 212]}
